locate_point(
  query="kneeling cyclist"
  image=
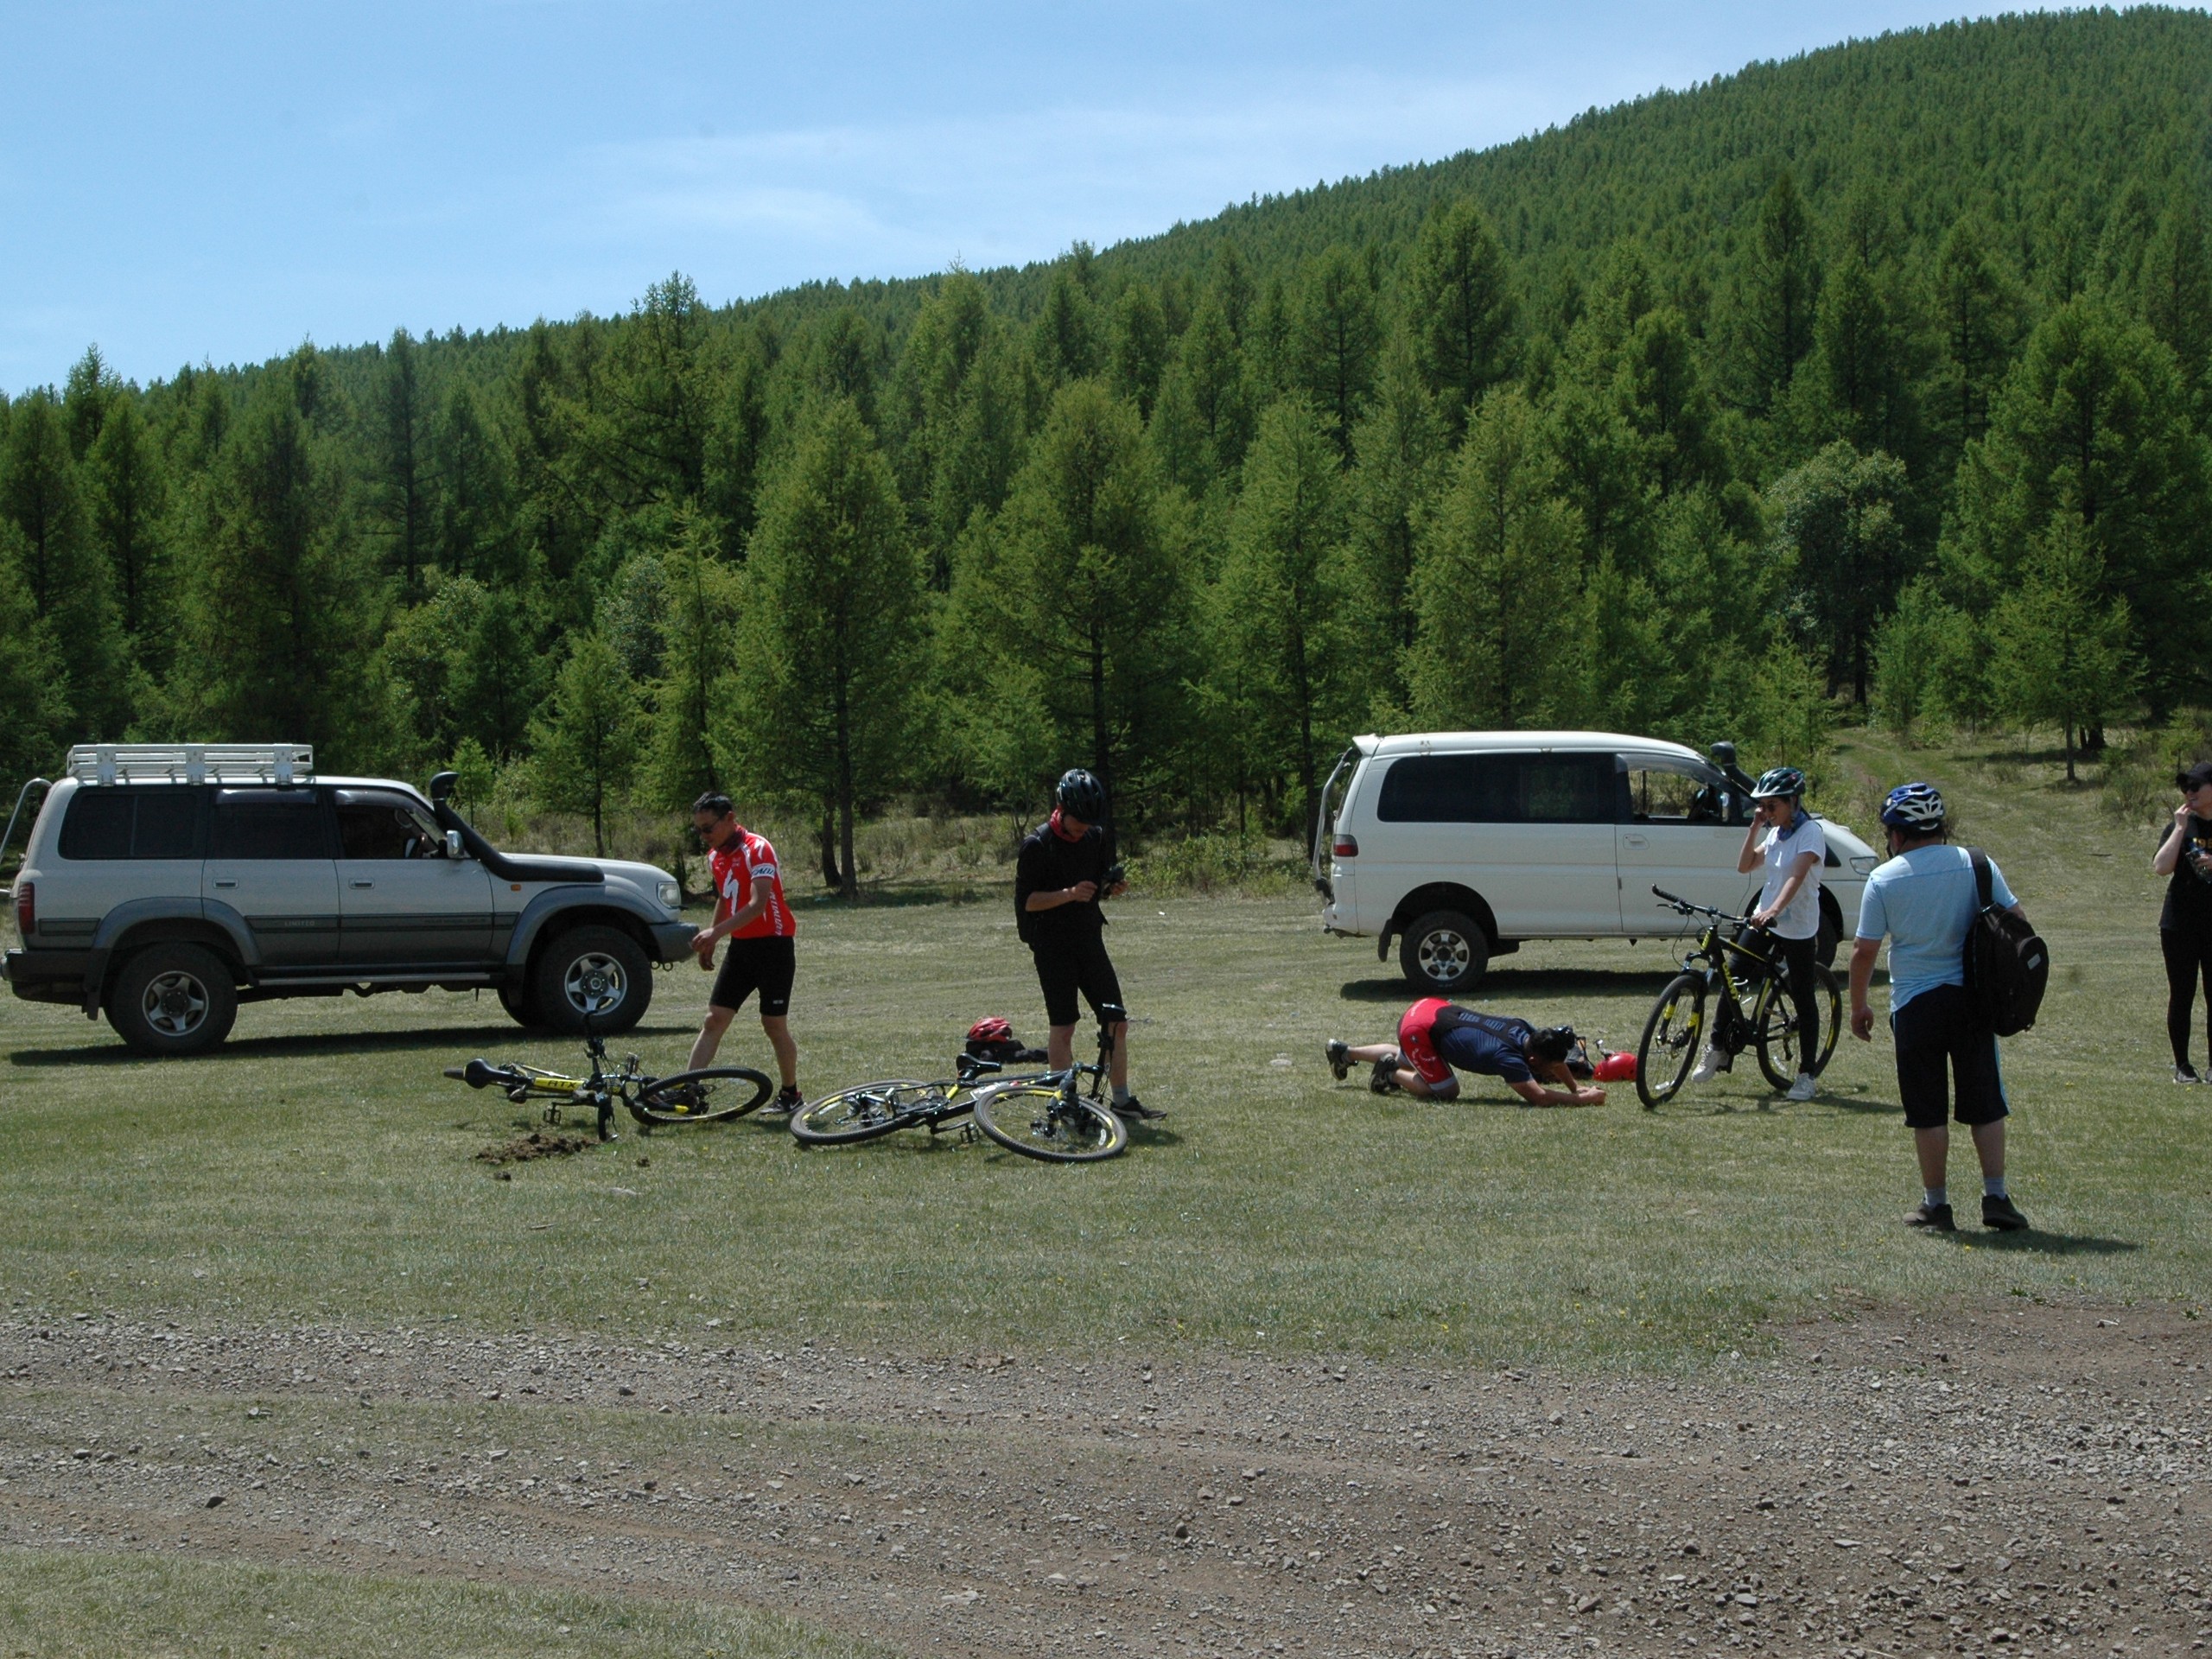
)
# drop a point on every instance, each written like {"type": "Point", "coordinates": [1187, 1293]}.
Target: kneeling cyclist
{"type": "Point", "coordinates": [1434, 1036]}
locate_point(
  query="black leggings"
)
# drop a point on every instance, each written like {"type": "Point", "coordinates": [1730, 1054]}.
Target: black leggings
{"type": "Point", "coordinates": [2189, 960]}
{"type": "Point", "coordinates": [1802, 957]}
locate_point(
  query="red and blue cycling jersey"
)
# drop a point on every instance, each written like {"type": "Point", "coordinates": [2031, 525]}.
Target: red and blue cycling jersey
{"type": "Point", "coordinates": [1436, 1035]}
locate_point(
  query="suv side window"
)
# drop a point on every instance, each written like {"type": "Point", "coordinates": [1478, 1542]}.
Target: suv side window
{"type": "Point", "coordinates": [262, 823]}
{"type": "Point", "coordinates": [118, 823]}
{"type": "Point", "coordinates": [384, 826]}
{"type": "Point", "coordinates": [1569, 788]}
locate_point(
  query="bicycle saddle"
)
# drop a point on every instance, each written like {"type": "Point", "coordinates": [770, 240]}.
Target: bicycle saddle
{"type": "Point", "coordinates": [1113, 1013]}
{"type": "Point", "coordinates": [480, 1074]}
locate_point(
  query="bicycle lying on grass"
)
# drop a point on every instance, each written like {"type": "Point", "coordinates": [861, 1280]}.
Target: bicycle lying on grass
{"type": "Point", "coordinates": [1668, 1052]}
{"type": "Point", "coordinates": [1046, 1116]}
{"type": "Point", "coordinates": [712, 1096]}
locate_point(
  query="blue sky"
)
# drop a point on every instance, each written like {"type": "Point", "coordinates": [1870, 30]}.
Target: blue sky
{"type": "Point", "coordinates": [219, 181]}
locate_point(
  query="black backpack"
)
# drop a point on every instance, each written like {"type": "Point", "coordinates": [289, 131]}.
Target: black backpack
{"type": "Point", "coordinates": [2007, 965]}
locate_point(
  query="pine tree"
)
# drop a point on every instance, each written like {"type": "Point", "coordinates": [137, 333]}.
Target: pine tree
{"type": "Point", "coordinates": [1780, 290]}
{"type": "Point", "coordinates": [1082, 577]}
{"type": "Point", "coordinates": [2092, 422]}
{"type": "Point", "coordinates": [1462, 301]}
{"type": "Point", "coordinates": [1280, 597]}
{"type": "Point", "coordinates": [2178, 298]}
{"type": "Point", "coordinates": [279, 615]}
{"type": "Point", "coordinates": [1337, 336]}
{"type": "Point", "coordinates": [1977, 310]}
{"type": "Point", "coordinates": [1496, 573]}
{"type": "Point", "coordinates": [127, 493]}
{"type": "Point", "coordinates": [2059, 643]}
{"type": "Point", "coordinates": [1138, 351]}
{"type": "Point", "coordinates": [584, 748]}
{"type": "Point", "coordinates": [696, 662]}
{"type": "Point", "coordinates": [68, 582]}
{"type": "Point", "coordinates": [35, 715]}
{"type": "Point", "coordinates": [400, 484]}
{"type": "Point", "coordinates": [1400, 449]}
{"type": "Point", "coordinates": [827, 661]}
{"type": "Point", "coordinates": [1838, 523]}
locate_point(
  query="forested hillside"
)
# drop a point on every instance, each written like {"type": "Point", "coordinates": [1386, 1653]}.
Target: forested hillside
{"type": "Point", "coordinates": [1879, 380]}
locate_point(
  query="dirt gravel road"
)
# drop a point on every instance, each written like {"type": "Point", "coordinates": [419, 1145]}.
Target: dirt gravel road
{"type": "Point", "coordinates": [2017, 1479]}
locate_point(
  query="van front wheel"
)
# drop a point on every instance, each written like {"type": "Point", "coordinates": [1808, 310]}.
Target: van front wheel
{"type": "Point", "coordinates": [1443, 952]}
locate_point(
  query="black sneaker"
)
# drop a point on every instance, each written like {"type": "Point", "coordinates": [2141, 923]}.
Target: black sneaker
{"type": "Point", "coordinates": [1136, 1112]}
{"type": "Point", "coordinates": [1936, 1217]}
{"type": "Point", "coordinates": [1384, 1080]}
{"type": "Point", "coordinates": [2002, 1214]}
{"type": "Point", "coordinates": [1339, 1058]}
{"type": "Point", "coordinates": [788, 1100]}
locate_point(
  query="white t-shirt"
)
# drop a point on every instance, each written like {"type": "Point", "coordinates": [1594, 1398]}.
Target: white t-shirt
{"type": "Point", "coordinates": [1802, 919]}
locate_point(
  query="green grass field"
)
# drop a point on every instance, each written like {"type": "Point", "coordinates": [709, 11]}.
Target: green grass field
{"type": "Point", "coordinates": [321, 1169]}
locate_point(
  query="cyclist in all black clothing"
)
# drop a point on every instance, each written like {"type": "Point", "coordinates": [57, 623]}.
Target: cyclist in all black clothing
{"type": "Point", "coordinates": [1058, 880]}
{"type": "Point", "coordinates": [2185, 925]}
{"type": "Point", "coordinates": [1436, 1035]}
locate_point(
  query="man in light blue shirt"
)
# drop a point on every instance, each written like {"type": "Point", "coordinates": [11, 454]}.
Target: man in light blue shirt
{"type": "Point", "coordinates": [1925, 900]}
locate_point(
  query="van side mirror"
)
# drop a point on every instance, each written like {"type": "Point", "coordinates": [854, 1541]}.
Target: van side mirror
{"type": "Point", "coordinates": [453, 843]}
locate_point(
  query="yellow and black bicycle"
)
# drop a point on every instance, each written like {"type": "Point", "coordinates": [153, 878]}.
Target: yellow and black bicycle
{"type": "Point", "coordinates": [713, 1095]}
{"type": "Point", "coordinates": [1728, 969]}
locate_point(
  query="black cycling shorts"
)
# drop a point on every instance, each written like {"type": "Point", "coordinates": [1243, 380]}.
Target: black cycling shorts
{"type": "Point", "coordinates": [1066, 966]}
{"type": "Point", "coordinates": [765, 965]}
{"type": "Point", "coordinates": [1943, 1044]}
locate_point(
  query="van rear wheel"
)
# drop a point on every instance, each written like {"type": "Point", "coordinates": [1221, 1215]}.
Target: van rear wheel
{"type": "Point", "coordinates": [1443, 952]}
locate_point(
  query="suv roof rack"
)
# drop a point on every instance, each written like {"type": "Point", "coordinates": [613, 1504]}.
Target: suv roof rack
{"type": "Point", "coordinates": [192, 763]}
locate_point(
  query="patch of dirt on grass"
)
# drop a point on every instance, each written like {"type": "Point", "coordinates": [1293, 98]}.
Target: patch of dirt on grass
{"type": "Point", "coordinates": [538, 1143]}
{"type": "Point", "coordinates": [2016, 1478]}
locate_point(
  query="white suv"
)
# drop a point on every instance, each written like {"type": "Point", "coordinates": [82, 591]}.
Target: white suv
{"type": "Point", "coordinates": [165, 884]}
{"type": "Point", "coordinates": [1462, 844]}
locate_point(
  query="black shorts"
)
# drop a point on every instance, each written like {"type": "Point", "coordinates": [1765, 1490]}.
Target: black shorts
{"type": "Point", "coordinates": [763, 965]}
{"type": "Point", "coordinates": [1943, 1044]}
{"type": "Point", "coordinates": [1066, 966]}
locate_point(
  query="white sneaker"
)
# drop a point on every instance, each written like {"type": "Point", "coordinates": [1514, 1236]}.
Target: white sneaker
{"type": "Point", "coordinates": [1708, 1064]}
{"type": "Point", "coordinates": [1805, 1088]}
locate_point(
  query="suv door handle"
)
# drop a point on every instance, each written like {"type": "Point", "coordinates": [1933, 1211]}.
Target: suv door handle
{"type": "Point", "coordinates": [1634, 841]}
{"type": "Point", "coordinates": [364, 884]}
{"type": "Point", "coordinates": [223, 883]}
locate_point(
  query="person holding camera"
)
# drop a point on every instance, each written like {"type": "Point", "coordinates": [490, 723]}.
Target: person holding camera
{"type": "Point", "coordinates": [2184, 857]}
{"type": "Point", "coordinates": [1059, 878]}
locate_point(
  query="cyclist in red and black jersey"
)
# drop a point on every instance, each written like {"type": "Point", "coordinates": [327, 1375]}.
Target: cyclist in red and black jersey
{"type": "Point", "coordinates": [1434, 1036]}
{"type": "Point", "coordinates": [752, 914]}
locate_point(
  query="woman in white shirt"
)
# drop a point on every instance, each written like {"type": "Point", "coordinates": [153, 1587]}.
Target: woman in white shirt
{"type": "Point", "coordinates": [1790, 841]}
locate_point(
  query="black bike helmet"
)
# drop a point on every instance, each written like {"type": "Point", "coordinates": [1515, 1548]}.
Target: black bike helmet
{"type": "Point", "coordinates": [1081, 796]}
{"type": "Point", "coordinates": [1778, 780]}
{"type": "Point", "coordinates": [1554, 1045]}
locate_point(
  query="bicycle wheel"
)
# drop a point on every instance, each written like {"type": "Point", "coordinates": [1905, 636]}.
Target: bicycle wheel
{"type": "Point", "coordinates": [1039, 1121]}
{"type": "Point", "coordinates": [1775, 1021]}
{"type": "Point", "coordinates": [712, 1095]}
{"type": "Point", "coordinates": [1669, 1050]}
{"type": "Point", "coordinates": [863, 1113]}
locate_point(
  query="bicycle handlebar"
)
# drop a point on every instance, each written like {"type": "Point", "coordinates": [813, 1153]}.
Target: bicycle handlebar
{"type": "Point", "coordinates": [1689, 907]}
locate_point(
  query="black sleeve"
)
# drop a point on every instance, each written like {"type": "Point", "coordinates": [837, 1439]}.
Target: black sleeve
{"type": "Point", "coordinates": [1029, 872]}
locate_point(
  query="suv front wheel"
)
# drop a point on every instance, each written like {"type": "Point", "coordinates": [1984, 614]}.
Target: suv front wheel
{"type": "Point", "coordinates": [595, 971]}
{"type": "Point", "coordinates": [1442, 952]}
{"type": "Point", "coordinates": [173, 998]}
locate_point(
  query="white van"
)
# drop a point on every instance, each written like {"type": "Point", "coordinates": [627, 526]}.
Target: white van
{"type": "Point", "coordinates": [1461, 845]}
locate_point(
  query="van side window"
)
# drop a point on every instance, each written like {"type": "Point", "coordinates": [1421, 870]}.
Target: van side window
{"type": "Point", "coordinates": [1498, 789]}
{"type": "Point", "coordinates": [1662, 790]}
{"type": "Point", "coordinates": [269, 823]}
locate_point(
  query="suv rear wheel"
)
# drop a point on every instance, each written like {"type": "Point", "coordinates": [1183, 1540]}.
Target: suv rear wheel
{"type": "Point", "coordinates": [599, 971]}
{"type": "Point", "coordinates": [1442, 952]}
{"type": "Point", "coordinates": [173, 998]}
